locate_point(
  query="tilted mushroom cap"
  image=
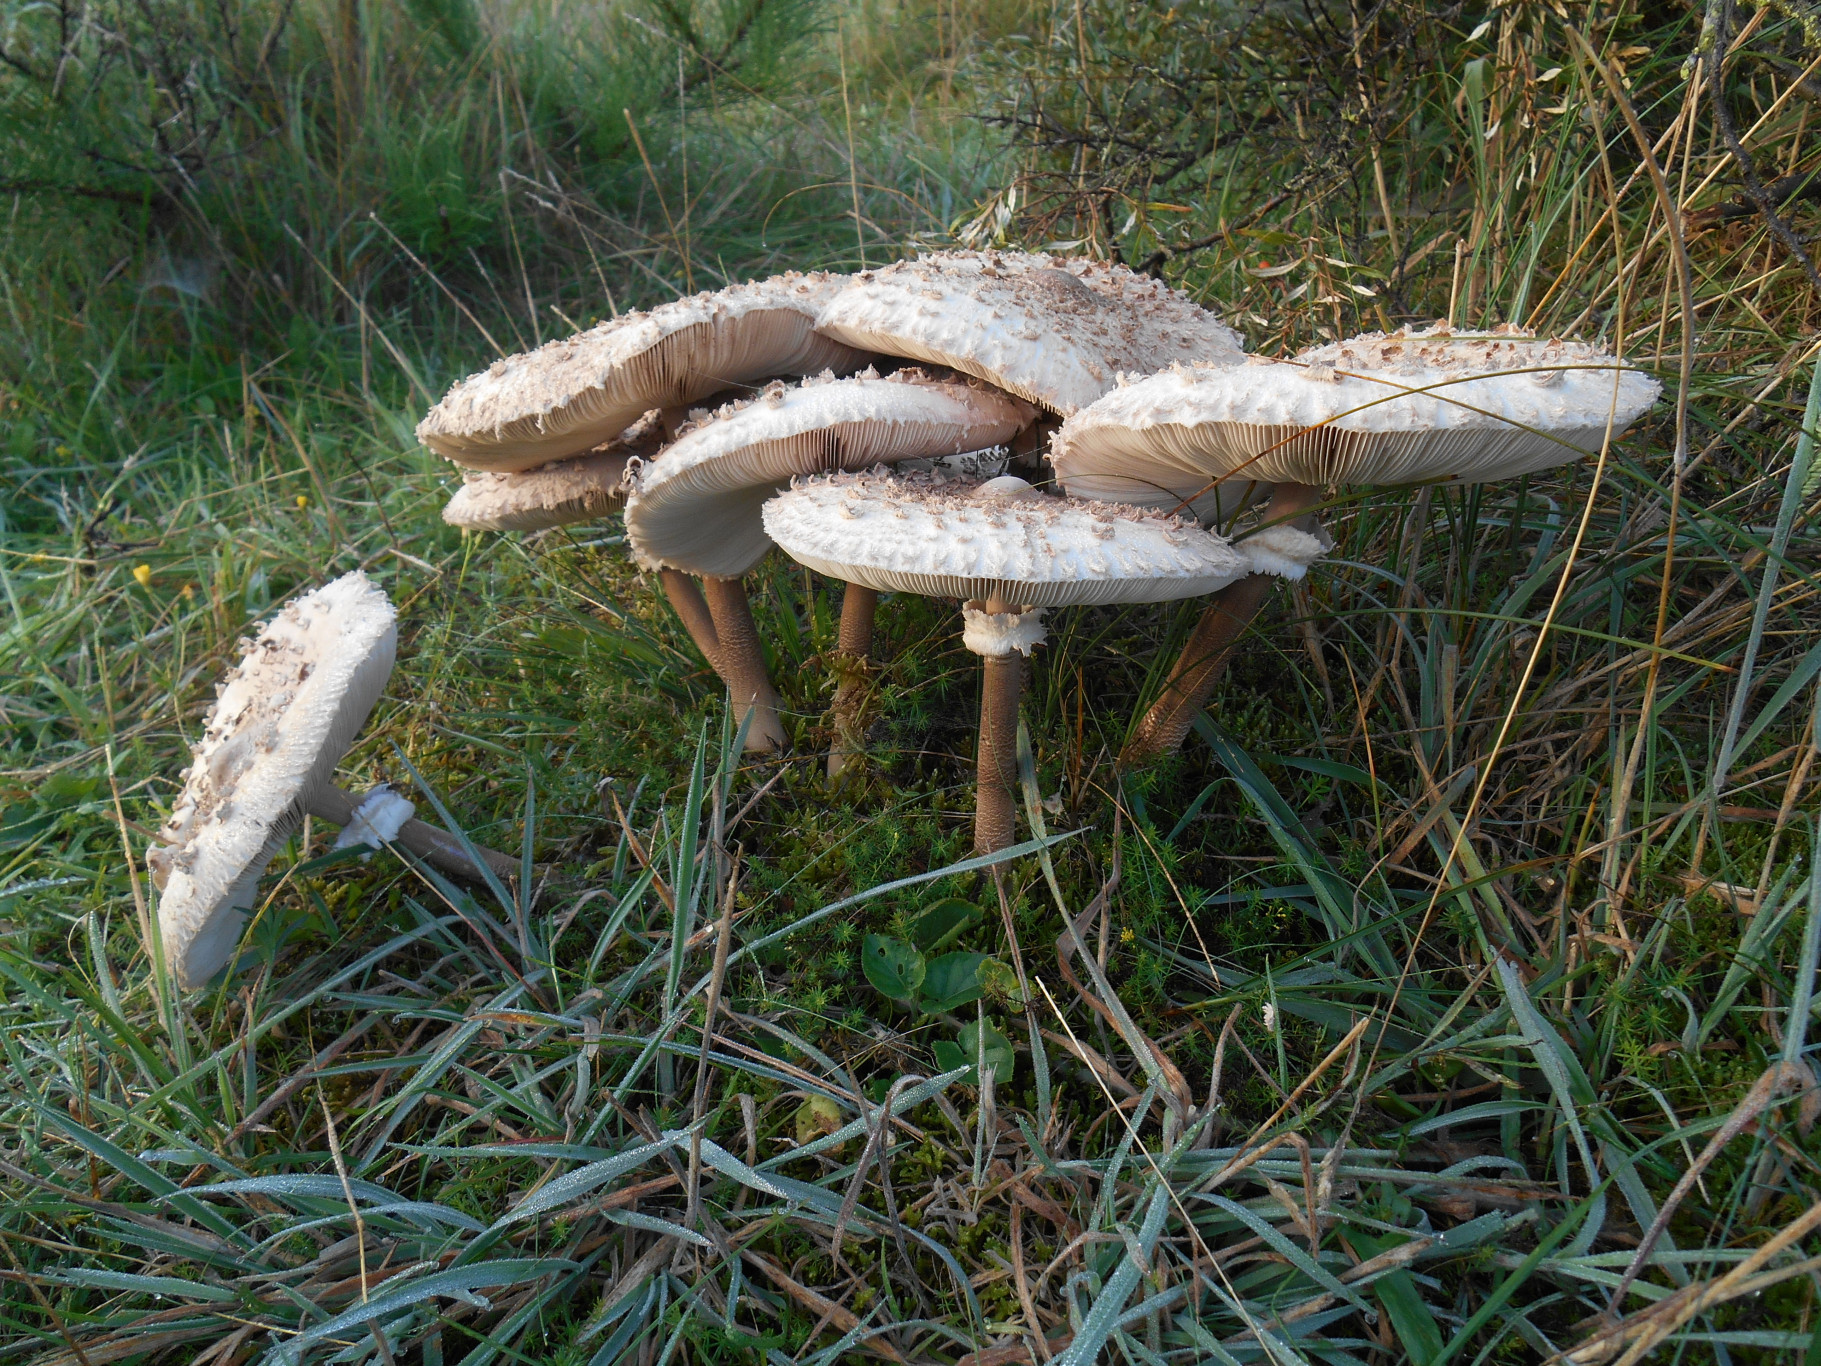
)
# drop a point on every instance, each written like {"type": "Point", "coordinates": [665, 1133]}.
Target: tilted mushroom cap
{"type": "Point", "coordinates": [571, 395]}
{"type": "Point", "coordinates": [1054, 331]}
{"type": "Point", "coordinates": [1397, 408]}
{"type": "Point", "coordinates": [918, 533]}
{"type": "Point", "coordinates": [697, 507]}
{"type": "Point", "coordinates": [551, 495]}
{"type": "Point", "coordinates": [563, 491]}
{"type": "Point", "coordinates": [281, 722]}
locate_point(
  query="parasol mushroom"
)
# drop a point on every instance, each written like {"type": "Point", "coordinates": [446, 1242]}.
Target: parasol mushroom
{"type": "Point", "coordinates": [1009, 553]}
{"type": "Point", "coordinates": [570, 396]}
{"type": "Point", "coordinates": [698, 507]}
{"type": "Point", "coordinates": [579, 489]}
{"type": "Point", "coordinates": [281, 722]}
{"type": "Point", "coordinates": [1054, 331]}
{"type": "Point", "coordinates": [1385, 409]}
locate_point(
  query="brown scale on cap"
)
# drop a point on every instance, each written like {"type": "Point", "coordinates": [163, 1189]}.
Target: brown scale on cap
{"type": "Point", "coordinates": [1441, 350]}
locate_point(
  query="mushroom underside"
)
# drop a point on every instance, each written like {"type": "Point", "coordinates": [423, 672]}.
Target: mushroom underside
{"type": "Point", "coordinates": [1330, 454]}
{"type": "Point", "coordinates": [541, 498]}
{"type": "Point", "coordinates": [1169, 488]}
{"type": "Point", "coordinates": [690, 364]}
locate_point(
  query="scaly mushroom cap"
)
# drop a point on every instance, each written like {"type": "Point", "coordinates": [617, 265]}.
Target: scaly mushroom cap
{"type": "Point", "coordinates": [571, 395]}
{"type": "Point", "coordinates": [697, 507]}
{"type": "Point", "coordinates": [1054, 331]}
{"type": "Point", "coordinates": [281, 722]}
{"type": "Point", "coordinates": [918, 533]}
{"type": "Point", "coordinates": [1397, 408]}
{"type": "Point", "coordinates": [563, 491]}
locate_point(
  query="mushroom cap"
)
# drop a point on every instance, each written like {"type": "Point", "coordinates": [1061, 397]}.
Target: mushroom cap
{"type": "Point", "coordinates": [1052, 330]}
{"type": "Point", "coordinates": [563, 491]}
{"type": "Point", "coordinates": [571, 395]}
{"type": "Point", "coordinates": [697, 507]}
{"type": "Point", "coordinates": [917, 533]}
{"type": "Point", "coordinates": [1486, 405]}
{"type": "Point", "coordinates": [281, 722]}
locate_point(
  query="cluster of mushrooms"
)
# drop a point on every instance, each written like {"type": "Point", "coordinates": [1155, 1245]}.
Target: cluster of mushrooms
{"type": "Point", "coordinates": [1018, 433]}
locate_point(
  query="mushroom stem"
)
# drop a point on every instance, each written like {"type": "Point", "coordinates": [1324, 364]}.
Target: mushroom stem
{"type": "Point", "coordinates": [687, 601]}
{"type": "Point", "coordinates": [852, 647]}
{"type": "Point", "coordinates": [995, 805]}
{"type": "Point", "coordinates": [439, 847]}
{"type": "Point", "coordinates": [1210, 645]}
{"type": "Point", "coordinates": [996, 758]}
{"type": "Point", "coordinates": [741, 663]}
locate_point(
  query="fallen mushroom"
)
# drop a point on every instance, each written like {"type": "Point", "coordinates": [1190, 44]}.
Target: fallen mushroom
{"type": "Point", "coordinates": [1386, 409]}
{"type": "Point", "coordinates": [281, 722]}
{"type": "Point", "coordinates": [698, 507]}
{"type": "Point", "coordinates": [570, 396]}
{"type": "Point", "coordinates": [1054, 331]}
{"type": "Point", "coordinates": [1009, 553]}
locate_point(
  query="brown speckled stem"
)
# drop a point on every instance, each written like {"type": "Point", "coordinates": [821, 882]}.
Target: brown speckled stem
{"type": "Point", "coordinates": [686, 600]}
{"type": "Point", "coordinates": [996, 759]}
{"type": "Point", "coordinates": [330, 803]}
{"type": "Point", "coordinates": [1210, 645]}
{"type": "Point", "coordinates": [741, 664]}
{"type": "Point", "coordinates": [852, 647]}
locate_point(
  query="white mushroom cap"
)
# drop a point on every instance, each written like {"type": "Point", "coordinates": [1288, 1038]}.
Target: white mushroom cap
{"type": "Point", "coordinates": [1055, 331]}
{"type": "Point", "coordinates": [281, 722]}
{"type": "Point", "coordinates": [563, 491]}
{"type": "Point", "coordinates": [915, 533]}
{"type": "Point", "coordinates": [571, 395]}
{"type": "Point", "coordinates": [1487, 405]}
{"type": "Point", "coordinates": [697, 507]}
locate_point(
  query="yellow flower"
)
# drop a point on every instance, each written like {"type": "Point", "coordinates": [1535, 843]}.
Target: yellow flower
{"type": "Point", "coordinates": [189, 591]}
{"type": "Point", "coordinates": [302, 502]}
{"type": "Point", "coordinates": [144, 574]}
{"type": "Point", "coordinates": [1126, 936]}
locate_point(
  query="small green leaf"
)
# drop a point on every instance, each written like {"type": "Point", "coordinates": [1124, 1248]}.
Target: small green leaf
{"type": "Point", "coordinates": [998, 1048]}
{"type": "Point", "coordinates": [1346, 773]}
{"type": "Point", "coordinates": [1000, 983]}
{"type": "Point", "coordinates": [942, 923]}
{"type": "Point", "coordinates": [965, 1052]}
{"type": "Point", "coordinates": [815, 1117]}
{"type": "Point", "coordinates": [952, 981]}
{"type": "Point", "coordinates": [893, 967]}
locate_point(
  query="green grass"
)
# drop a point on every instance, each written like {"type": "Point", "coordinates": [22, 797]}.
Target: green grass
{"type": "Point", "coordinates": [1480, 907]}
